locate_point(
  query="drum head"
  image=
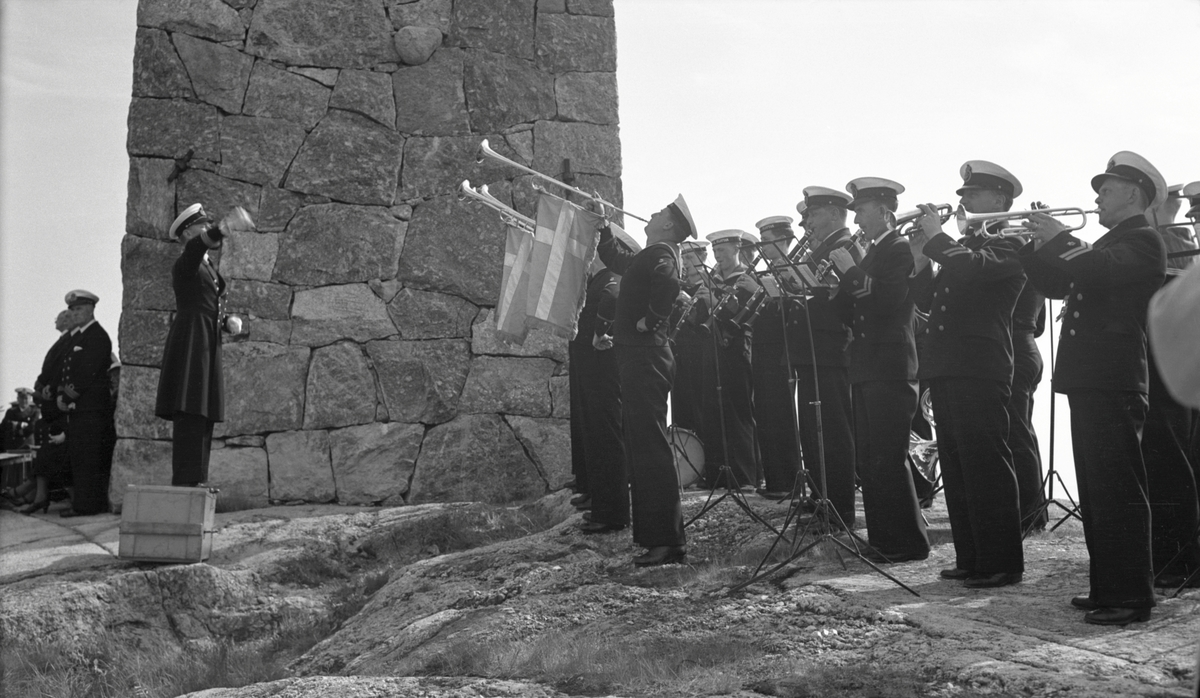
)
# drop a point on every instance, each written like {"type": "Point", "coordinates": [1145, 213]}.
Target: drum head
{"type": "Point", "coordinates": [688, 452]}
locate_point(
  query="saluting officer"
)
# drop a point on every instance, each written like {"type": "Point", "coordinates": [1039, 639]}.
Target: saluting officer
{"type": "Point", "coordinates": [85, 398]}
{"type": "Point", "coordinates": [692, 347]}
{"type": "Point", "coordinates": [968, 361]}
{"type": "Point", "coordinates": [883, 371]}
{"type": "Point", "coordinates": [649, 288]}
{"type": "Point", "coordinates": [822, 360]}
{"type": "Point", "coordinates": [1101, 367]}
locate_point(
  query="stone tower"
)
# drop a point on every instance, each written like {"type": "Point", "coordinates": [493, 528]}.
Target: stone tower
{"type": "Point", "coordinates": [371, 372]}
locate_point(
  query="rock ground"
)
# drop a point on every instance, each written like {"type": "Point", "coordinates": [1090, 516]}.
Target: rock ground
{"type": "Point", "coordinates": [452, 624]}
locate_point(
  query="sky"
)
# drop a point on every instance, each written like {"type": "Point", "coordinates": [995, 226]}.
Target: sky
{"type": "Point", "coordinates": [737, 104]}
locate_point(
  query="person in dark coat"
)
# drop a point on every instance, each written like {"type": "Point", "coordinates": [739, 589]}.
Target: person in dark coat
{"type": "Point", "coordinates": [190, 389]}
{"type": "Point", "coordinates": [883, 371]}
{"type": "Point", "coordinates": [1101, 367]}
{"type": "Point", "coordinates": [85, 398]}
{"type": "Point", "coordinates": [691, 346]}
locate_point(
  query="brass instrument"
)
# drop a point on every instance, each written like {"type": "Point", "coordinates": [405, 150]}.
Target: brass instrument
{"type": "Point", "coordinates": [482, 196]}
{"type": "Point", "coordinates": [905, 223]}
{"type": "Point", "coordinates": [826, 266]}
{"type": "Point", "coordinates": [966, 220]}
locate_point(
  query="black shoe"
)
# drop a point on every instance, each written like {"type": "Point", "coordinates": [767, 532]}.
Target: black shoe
{"type": "Point", "coordinates": [580, 499]}
{"type": "Point", "coordinates": [583, 504]}
{"type": "Point", "coordinates": [590, 527]}
{"type": "Point", "coordinates": [882, 558]}
{"type": "Point", "coordinates": [661, 555]}
{"type": "Point", "coordinates": [987, 581]}
{"type": "Point", "coordinates": [1117, 616]}
{"type": "Point", "coordinates": [775, 495]}
{"type": "Point", "coordinates": [1084, 602]}
{"type": "Point", "coordinates": [955, 573]}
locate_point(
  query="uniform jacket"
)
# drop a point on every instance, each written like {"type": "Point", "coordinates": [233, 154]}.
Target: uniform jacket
{"type": "Point", "coordinates": [598, 305]}
{"type": "Point", "coordinates": [1107, 287]}
{"type": "Point", "coordinates": [84, 377]}
{"type": "Point", "coordinates": [190, 380]}
{"type": "Point", "coordinates": [876, 293]}
{"type": "Point", "coordinates": [649, 287]}
{"type": "Point", "coordinates": [970, 304]}
{"type": "Point", "coordinates": [830, 320]}
{"type": "Point", "coordinates": [52, 366]}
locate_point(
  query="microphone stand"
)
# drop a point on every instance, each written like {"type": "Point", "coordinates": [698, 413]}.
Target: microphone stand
{"type": "Point", "coordinates": [825, 512]}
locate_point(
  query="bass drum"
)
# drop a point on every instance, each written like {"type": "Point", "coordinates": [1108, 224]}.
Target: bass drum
{"type": "Point", "coordinates": [688, 453]}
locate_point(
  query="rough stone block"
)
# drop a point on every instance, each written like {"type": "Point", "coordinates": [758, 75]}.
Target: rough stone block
{"type": "Point", "coordinates": [325, 76]}
{"type": "Point", "coordinates": [150, 208]}
{"type": "Point", "coordinates": [242, 476]}
{"type": "Point", "coordinates": [264, 388]}
{"type": "Point", "coordinates": [454, 249]}
{"type": "Point", "coordinates": [367, 93]}
{"type": "Point", "coordinates": [157, 70]}
{"type": "Point", "coordinates": [503, 91]}
{"type": "Point", "coordinates": [350, 158]}
{"type": "Point", "coordinates": [567, 43]}
{"type": "Point", "coordinates": [138, 462]}
{"type": "Point", "coordinates": [548, 443]}
{"type": "Point", "coordinates": [218, 194]}
{"type": "Point", "coordinates": [219, 74]}
{"type": "Point", "coordinates": [142, 334]}
{"type": "Point", "coordinates": [249, 255]}
{"type": "Point", "coordinates": [300, 467]}
{"type": "Point", "coordinates": [258, 149]}
{"type": "Point", "coordinates": [507, 385]}
{"type": "Point", "coordinates": [421, 381]}
{"type": "Point", "coordinates": [438, 165]}
{"type": "Point", "coordinates": [258, 298]}
{"type": "Point", "coordinates": [415, 45]}
{"type": "Point", "coordinates": [278, 208]}
{"type": "Point", "coordinates": [385, 290]}
{"type": "Point", "coordinates": [341, 388]}
{"type": "Point", "coordinates": [211, 19]}
{"type": "Point", "coordinates": [551, 6]}
{"type": "Point", "coordinates": [598, 8]}
{"type": "Point", "coordinates": [337, 243]}
{"type": "Point", "coordinates": [430, 98]}
{"type": "Point", "coordinates": [500, 27]}
{"type": "Point", "coordinates": [327, 34]}
{"type": "Point", "coordinates": [590, 97]}
{"type": "Point", "coordinates": [428, 315]}
{"type": "Point", "coordinates": [374, 462]}
{"type": "Point", "coordinates": [168, 128]}
{"type": "Point", "coordinates": [326, 314]}
{"type": "Point", "coordinates": [537, 343]}
{"type": "Point", "coordinates": [560, 397]}
{"type": "Point", "coordinates": [280, 94]}
{"type": "Point", "coordinates": [593, 149]}
{"type": "Point", "coordinates": [146, 273]}
{"type": "Point", "coordinates": [262, 330]}
{"type": "Point", "coordinates": [423, 13]}
{"type": "Point", "coordinates": [475, 458]}
{"type": "Point", "coordinates": [134, 416]}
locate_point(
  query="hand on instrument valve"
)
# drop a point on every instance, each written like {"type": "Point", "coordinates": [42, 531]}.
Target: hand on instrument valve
{"type": "Point", "coordinates": [842, 260]}
{"type": "Point", "coordinates": [1044, 227]}
{"type": "Point", "coordinates": [599, 209]}
{"type": "Point", "coordinates": [602, 342]}
{"type": "Point", "coordinates": [747, 282]}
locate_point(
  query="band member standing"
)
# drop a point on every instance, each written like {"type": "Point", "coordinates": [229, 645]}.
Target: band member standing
{"type": "Point", "coordinates": [883, 371]}
{"type": "Point", "coordinates": [732, 437]}
{"type": "Point", "coordinates": [1028, 323]}
{"type": "Point", "coordinates": [968, 361]}
{"type": "Point", "coordinates": [824, 217]}
{"type": "Point", "coordinates": [649, 288]}
{"type": "Point", "coordinates": [85, 398]}
{"type": "Point", "coordinates": [1101, 367]}
{"type": "Point", "coordinates": [191, 392]}
{"type": "Point", "coordinates": [692, 347]}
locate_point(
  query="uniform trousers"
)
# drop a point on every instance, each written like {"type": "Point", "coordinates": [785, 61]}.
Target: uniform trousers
{"type": "Point", "coordinates": [1022, 439]}
{"type": "Point", "coordinates": [883, 412]}
{"type": "Point", "coordinates": [1106, 430]}
{"type": "Point", "coordinates": [603, 442]}
{"type": "Point", "coordinates": [191, 444]}
{"type": "Point", "coordinates": [735, 402]}
{"type": "Point", "coordinates": [775, 416]}
{"type": "Point", "coordinates": [646, 376]}
{"type": "Point", "coordinates": [687, 393]}
{"type": "Point", "coordinates": [1171, 477]}
{"type": "Point", "coordinates": [90, 441]}
{"type": "Point", "coordinates": [575, 382]}
{"type": "Point", "coordinates": [837, 434]}
{"type": "Point", "coordinates": [977, 472]}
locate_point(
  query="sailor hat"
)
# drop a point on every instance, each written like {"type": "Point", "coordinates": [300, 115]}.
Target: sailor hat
{"type": "Point", "coordinates": [1175, 191]}
{"type": "Point", "coordinates": [682, 209]}
{"type": "Point", "coordinates": [780, 226]}
{"type": "Point", "coordinates": [24, 391]}
{"type": "Point", "coordinates": [1191, 192]}
{"type": "Point", "coordinates": [732, 235]}
{"type": "Point", "coordinates": [801, 208]}
{"type": "Point", "coordinates": [749, 239]}
{"type": "Point", "coordinates": [1134, 168]}
{"type": "Point", "coordinates": [824, 196]}
{"type": "Point", "coordinates": [191, 215]}
{"type": "Point", "coordinates": [81, 297]}
{"type": "Point", "coordinates": [693, 245]}
{"type": "Point", "coordinates": [981, 174]}
{"type": "Point", "coordinates": [866, 189]}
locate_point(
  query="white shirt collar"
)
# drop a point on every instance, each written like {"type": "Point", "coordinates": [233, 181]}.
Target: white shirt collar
{"type": "Point", "coordinates": [81, 328]}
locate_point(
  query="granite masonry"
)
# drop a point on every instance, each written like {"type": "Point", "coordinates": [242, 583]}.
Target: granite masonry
{"type": "Point", "coordinates": [371, 372]}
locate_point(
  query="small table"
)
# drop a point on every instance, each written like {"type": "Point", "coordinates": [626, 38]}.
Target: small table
{"type": "Point", "coordinates": [15, 467]}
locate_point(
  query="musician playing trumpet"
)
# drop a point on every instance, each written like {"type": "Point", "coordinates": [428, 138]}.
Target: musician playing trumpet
{"type": "Point", "coordinates": [968, 360]}
{"type": "Point", "coordinates": [692, 346]}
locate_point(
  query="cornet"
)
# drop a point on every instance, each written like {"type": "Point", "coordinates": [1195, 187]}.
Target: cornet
{"type": "Point", "coordinates": [966, 220]}
{"type": "Point", "coordinates": [904, 223]}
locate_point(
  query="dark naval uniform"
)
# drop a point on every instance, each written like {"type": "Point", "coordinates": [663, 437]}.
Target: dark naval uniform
{"type": "Point", "coordinates": [830, 350]}
{"type": "Point", "coordinates": [649, 287]}
{"type": "Point", "coordinates": [190, 388]}
{"type": "Point", "coordinates": [774, 407]}
{"type": "Point", "coordinates": [968, 359]}
{"type": "Point", "coordinates": [692, 348]}
{"type": "Point", "coordinates": [596, 405]}
{"type": "Point", "coordinates": [1101, 368]}
{"type": "Point", "coordinates": [1028, 323]}
{"type": "Point", "coordinates": [90, 432]}
{"type": "Point", "coordinates": [883, 374]}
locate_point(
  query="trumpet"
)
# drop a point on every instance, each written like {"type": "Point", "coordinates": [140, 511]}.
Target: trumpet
{"type": "Point", "coordinates": [486, 151]}
{"type": "Point", "coordinates": [904, 223]}
{"type": "Point", "coordinates": [467, 194]}
{"type": "Point", "coordinates": [966, 220]}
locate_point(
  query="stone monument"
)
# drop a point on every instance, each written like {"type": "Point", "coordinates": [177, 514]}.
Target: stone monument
{"type": "Point", "coordinates": [371, 373]}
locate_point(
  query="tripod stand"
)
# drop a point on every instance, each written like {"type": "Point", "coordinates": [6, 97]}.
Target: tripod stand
{"type": "Point", "coordinates": [825, 514]}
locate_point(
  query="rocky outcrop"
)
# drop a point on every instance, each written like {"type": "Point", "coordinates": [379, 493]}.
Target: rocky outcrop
{"type": "Point", "coordinates": [345, 127]}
